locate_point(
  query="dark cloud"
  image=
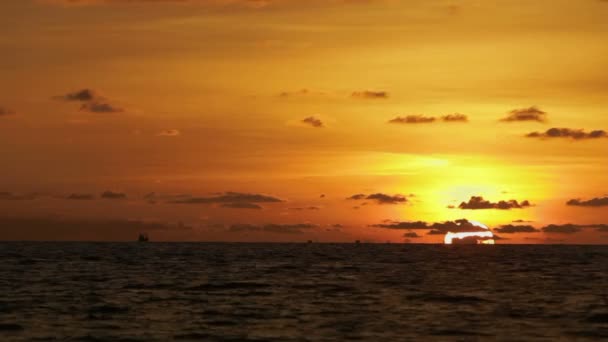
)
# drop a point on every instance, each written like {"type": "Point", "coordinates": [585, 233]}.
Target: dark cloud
{"type": "Point", "coordinates": [312, 121]}
{"type": "Point", "coordinates": [403, 225]}
{"type": "Point", "coordinates": [458, 226]}
{"type": "Point", "coordinates": [305, 208]}
{"type": "Point", "coordinates": [413, 119]}
{"type": "Point", "coordinates": [251, 4]}
{"type": "Point", "coordinates": [512, 229]}
{"type": "Point", "coordinates": [81, 197]}
{"type": "Point", "coordinates": [380, 198]}
{"type": "Point", "coordinates": [522, 221]}
{"type": "Point", "coordinates": [241, 205]}
{"type": "Point", "coordinates": [91, 101]}
{"type": "Point", "coordinates": [58, 229]}
{"type": "Point", "coordinates": [301, 93]}
{"type": "Point", "coordinates": [562, 229]}
{"type": "Point", "coordinates": [113, 195]}
{"type": "Point", "coordinates": [456, 117]}
{"type": "Point", "coordinates": [84, 95]}
{"type": "Point", "coordinates": [438, 228]}
{"type": "Point", "coordinates": [526, 114]}
{"type": "Point", "coordinates": [9, 196]}
{"type": "Point", "coordinates": [411, 235]}
{"type": "Point", "coordinates": [370, 94]}
{"type": "Point", "coordinates": [595, 202]}
{"type": "Point", "coordinates": [273, 228]}
{"type": "Point", "coordinates": [98, 106]}
{"type": "Point", "coordinates": [477, 202]}
{"type": "Point", "coordinates": [568, 133]}
{"type": "Point", "coordinates": [228, 197]}
{"type": "Point", "coordinates": [5, 111]}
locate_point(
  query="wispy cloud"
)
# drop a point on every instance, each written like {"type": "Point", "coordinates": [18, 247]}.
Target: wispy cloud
{"type": "Point", "coordinates": [313, 121]}
{"type": "Point", "coordinates": [594, 202]}
{"type": "Point", "coordinates": [526, 114]}
{"type": "Point", "coordinates": [478, 202]}
{"type": "Point", "coordinates": [370, 95]}
{"type": "Point", "coordinates": [568, 133]}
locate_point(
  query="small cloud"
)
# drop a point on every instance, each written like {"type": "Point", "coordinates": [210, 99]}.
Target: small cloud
{"type": "Point", "coordinates": [522, 221]}
{"type": "Point", "coordinates": [9, 196]}
{"type": "Point", "coordinates": [370, 94]}
{"type": "Point", "coordinates": [91, 100]}
{"type": "Point", "coordinates": [595, 202]}
{"type": "Point", "coordinates": [562, 229]}
{"type": "Point", "coordinates": [567, 133]}
{"type": "Point", "coordinates": [411, 235]}
{"type": "Point", "coordinates": [169, 133]}
{"type": "Point", "coordinates": [300, 93]}
{"type": "Point", "coordinates": [228, 197]}
{"type": "Point", "coordinates": [5, 111]}
{"type": "Point", "coordinates": [403, 225]}
{"type": "Point", "coordinates": [83, 95]}
{"type": "Point", "coordinates": [413, 119]}
{"type": "Point", "coordinates": [312, 121]}
{"type": "Point", "coordinates": [80, 197]}
{"type": "Point", "coordinates": [273, 228]}
{"type": "Point", "coordinates": [305, 208]}
{"type": "Point", "coordinates": [526, 114]}
{"type": "Point", "coordinates": [242, 205]}
{"type": "Point", "coordinates": [456, 117]}
{"type": "Point", "coordinates": [113, 195]}
{"type": "Point", "coordinates": [478, 202]}
{"type": "Point", "coordinates": [380, 198]}
{"type": "Point", "coordinates": [512, 229]}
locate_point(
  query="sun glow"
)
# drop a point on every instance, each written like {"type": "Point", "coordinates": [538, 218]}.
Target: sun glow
{"type": "Point", "coordinates": [481, 237]}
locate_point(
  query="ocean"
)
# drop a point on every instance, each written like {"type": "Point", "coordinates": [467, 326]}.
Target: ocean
{"type": "Point", "coordinates": [301, 292]}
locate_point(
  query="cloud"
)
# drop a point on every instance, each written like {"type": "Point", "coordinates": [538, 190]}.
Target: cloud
{"type": "Point", "coordinates": [370, 94]}
{"type": "Point", "coordinates": [91, 100]}
{"type": "Point", "coordinates": [9, 196]}
{"type": "Point", "coordinates": [457, 226]}
{"type": "Point", "coordinates": [5, 111]}
{"type": "Point", "coordinates": [526, 114]}
{"type": "Point", "coordinates": [242, 205]}
{"type": "Point", "coordinates": [228, 197]}
{"type": "Point", "coordinates": [80, 197]}
{"type": "Point", "coordinates": [562, 229]}
{"type": "Point", "coordinates": [273, 228]}
{"type": "Point", "coordinates": [456, 117]}
{"type": "Point", "coordinates": [595, 202]}
{"type": "Point", "coordinates": [312, 121]}
{"type": "Point", "coordinates": [411, 235]}
{"type": "Point", "coordinates": [169, 133]}
{"type": "Point", "coordinates": [477, 202]}
{"type": "Point", "coordinates": [512, 229]}
{"type": "Point", "coordinates": [99, 106]}
{"type": "Point", "coordinates": [403, 225]}
{"type": "Point", "coordinates": [412, 119]}
{"type": "Point", "coordinates": [300, 93]}
{"type": "Point", "coordinates": [305, 208]}
{"type": "Point", "coordinates": [568, 133]}
{"type": "Point", "coordinates": [113, 195]}
{"type": "Point", "coordinates": [438, 228]}
{"type": "Point", "coordinates": [380, 198]}
{"type": "Point", "coordinates": [83, 95]}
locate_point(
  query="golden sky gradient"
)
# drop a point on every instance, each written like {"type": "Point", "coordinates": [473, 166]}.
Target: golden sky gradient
{"type": "Point", "coordinates": [253, 120]}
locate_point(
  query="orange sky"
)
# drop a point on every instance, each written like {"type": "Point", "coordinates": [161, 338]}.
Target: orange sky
{"type": "Point", "coordinates": [295, 106]}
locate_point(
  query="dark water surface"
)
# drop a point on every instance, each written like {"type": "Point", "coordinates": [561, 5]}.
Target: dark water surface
{"type": "Point", "coordinates": [283, 292]}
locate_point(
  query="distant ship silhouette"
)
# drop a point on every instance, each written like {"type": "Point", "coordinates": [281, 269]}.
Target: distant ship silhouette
{"type": "Point", "coordinates": [143, 238]}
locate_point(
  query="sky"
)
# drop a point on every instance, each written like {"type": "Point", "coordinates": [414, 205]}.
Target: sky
{"type": "Point", "coordinates": [289, 121]}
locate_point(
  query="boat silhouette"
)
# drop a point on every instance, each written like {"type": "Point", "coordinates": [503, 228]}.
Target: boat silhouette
{"type": "Point", "coordinates": [143, 238]}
